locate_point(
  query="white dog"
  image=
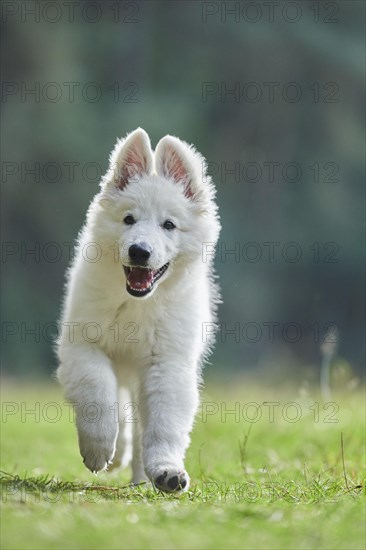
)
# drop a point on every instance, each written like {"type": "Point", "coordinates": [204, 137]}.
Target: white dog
{"type": "Point", "coordinates": [139, 295]}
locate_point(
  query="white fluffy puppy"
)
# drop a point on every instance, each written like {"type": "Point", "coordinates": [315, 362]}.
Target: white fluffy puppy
{"type": "Point", "coordinates": [140, 294]}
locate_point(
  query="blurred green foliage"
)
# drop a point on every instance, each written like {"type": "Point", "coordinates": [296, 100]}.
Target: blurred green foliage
{"type": "Point", "coordinates": [154, 73]}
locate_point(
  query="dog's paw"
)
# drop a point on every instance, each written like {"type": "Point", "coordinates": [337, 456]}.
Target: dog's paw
{"type": "Point", "coordinates": [97, 454]}
{"type": "Point", "coordinates": [171, 480]}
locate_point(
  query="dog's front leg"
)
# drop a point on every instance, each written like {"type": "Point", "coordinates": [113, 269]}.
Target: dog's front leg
{"type": "Point", "coordinates": [168, 403]}
{"type": "Point", "coordinates": [90, 385]}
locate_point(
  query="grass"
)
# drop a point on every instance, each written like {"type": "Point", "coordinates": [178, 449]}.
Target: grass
{"type": "Point", "coordinates": [264, 476]}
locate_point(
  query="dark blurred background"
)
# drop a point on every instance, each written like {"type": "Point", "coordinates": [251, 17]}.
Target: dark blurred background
{"type": "Point", "coordinates": [271, 93]}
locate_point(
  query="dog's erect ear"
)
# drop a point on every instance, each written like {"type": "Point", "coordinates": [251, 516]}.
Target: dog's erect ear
{"type": "Point", "coordinates": [176, 160]}
{"type": "Point", "coordinates": [131, 156]}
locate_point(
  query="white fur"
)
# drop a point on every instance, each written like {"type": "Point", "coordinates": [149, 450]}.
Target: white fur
{"type": "Point", "coordinates": [153, 345]}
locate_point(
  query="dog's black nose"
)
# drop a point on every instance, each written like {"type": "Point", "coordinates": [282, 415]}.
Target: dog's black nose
{"type": "Point", "coordinates": [139, 253]}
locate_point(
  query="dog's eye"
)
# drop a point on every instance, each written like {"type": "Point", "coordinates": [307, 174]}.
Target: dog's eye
{"type": "Point", "coordinates": [169, 225]}
{"type": "Point", "coordinates": [129, 220]}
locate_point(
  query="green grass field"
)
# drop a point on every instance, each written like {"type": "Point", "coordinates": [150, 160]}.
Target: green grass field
{"type": "Point", "coordinates": [284, 476]}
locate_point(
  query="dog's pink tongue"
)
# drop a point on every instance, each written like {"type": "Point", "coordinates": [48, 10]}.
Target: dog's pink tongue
{"type": "Point", "coordinates": [140, 278]}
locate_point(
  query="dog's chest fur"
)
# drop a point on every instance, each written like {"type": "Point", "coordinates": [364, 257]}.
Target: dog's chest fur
{"type": "Point", "coordinates": [138, 334]}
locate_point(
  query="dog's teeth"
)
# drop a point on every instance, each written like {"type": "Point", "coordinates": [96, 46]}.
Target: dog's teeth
{"type": "Point", "coordinates": [156, 275]}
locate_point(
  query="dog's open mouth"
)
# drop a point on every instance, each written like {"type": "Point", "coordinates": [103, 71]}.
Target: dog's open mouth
{"type": "Point", "coordinates": [141, 280]}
